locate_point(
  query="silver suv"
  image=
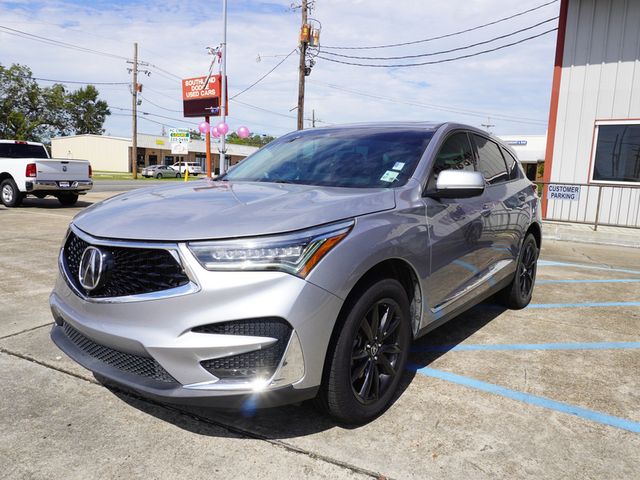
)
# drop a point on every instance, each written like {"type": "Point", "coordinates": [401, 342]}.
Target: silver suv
{"type": "Point", "coordinates": [305, 272]}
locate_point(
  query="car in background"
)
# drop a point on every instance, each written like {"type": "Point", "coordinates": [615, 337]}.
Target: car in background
{"type": "Point", "coordinates": [193, 167]}
{"type": "Point", "coordinates": [26, 169]}
{"type": "Point", "coordinates": [159, 171]}
{"type": "Point", "coordinates": [306, 271]}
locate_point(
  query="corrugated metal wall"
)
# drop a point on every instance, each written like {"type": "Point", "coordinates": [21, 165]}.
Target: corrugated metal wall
{"type": "Point", "coordinates": [600, 80]}
{"type": "Point", "coordinates": [104, 153]}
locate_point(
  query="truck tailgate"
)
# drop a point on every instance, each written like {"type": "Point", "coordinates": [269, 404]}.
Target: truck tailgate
{"type": "Point", "coordinates": [59, 169]}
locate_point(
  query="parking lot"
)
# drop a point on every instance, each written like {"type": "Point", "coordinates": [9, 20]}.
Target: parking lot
{"type": "Point", "coordinates": [550, 391]}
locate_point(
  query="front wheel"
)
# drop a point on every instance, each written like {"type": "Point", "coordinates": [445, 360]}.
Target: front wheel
{"type": "Point", "coordinates": [518, 293]}
{"type": "Point", "coordinates": [159, 176]}
{"type": "Point", "coordinates": [9, 193]}
{"type": "Point", "coordinates": [178, 175]}
{"type": "Point", "coordinates": [368, 355]}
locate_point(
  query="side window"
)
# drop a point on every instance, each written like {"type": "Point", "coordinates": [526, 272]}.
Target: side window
{"type": "Point", "coordinates": [490, 161]}
{"type": "Point", "coordinates": [512, 165]}
{"type": "Point", "coordinates": [455, 154]}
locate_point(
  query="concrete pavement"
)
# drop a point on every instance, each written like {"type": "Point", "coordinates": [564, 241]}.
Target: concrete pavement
{"type": "Point", "coordinates": [550, 391]}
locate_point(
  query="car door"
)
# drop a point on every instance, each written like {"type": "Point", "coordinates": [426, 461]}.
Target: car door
{"type": "Point", "coordinates": [498, 214]}
{"type": "Point", "coordinates": [456, 231]}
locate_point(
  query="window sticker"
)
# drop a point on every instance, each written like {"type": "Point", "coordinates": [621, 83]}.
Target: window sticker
{"type": "Point", "coordinates": [398, 166]}
{"type": "Point", "coordinates": [389, 176]}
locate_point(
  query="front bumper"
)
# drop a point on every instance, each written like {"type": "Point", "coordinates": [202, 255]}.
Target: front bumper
{"type": "Point", "coordinates": [53, 185]}
{"type": "Point", "coordinates": [160, 327]}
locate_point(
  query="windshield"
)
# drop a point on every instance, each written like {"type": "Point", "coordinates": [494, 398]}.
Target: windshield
{"type": "Point", "coordinates": [22, 150]}
{"type": "Point", "coordinates": [348, 157]}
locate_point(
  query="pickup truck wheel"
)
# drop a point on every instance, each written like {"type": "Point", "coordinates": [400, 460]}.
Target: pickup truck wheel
{"type": "Point", "coordinates": [9, 193]}
{"type": "Point", "coordinates": [368, 355]}
{"type": "Point", "coordinates": [68, 199]}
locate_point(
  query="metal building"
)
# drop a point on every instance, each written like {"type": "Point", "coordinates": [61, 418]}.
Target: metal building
{"type": "Point", "coordinates": [593, 149]}
{"type": "Point", "coordinates": [112, 154]}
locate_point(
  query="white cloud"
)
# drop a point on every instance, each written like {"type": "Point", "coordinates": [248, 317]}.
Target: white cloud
{"type": "Point", "coordinates": [514, 82]}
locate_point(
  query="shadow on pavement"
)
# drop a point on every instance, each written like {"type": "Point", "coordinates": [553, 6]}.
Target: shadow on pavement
{"type": "Point", "coordinates": [305, 419]}
{"type": "Point", "coordinates": [51, 203]}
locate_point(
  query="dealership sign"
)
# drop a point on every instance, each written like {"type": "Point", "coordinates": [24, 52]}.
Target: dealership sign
{"type": "Point", "coordinates": [563, 192]}
{"type": "Point", "coordinates": [201, 96]}
{"type": "Point", "coordinates": [179, 135]}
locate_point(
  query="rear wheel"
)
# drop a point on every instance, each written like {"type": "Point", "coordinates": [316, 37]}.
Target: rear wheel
{"type": "Point", "coordinates": [517, 294]}
{"type": "Point", "coordinates": [68, 199]}
{"type": "Point", "coordinates": [9, 193]}
{"type": "Point", "coordinates": [368, 355]}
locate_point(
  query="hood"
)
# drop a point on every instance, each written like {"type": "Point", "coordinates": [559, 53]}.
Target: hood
{"type": "Point", "coordinates": [212, 210]}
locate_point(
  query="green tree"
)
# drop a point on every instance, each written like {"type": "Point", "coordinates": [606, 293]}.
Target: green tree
{"type": "Point", "coordinates": [86, 113]}
{"type": "Point", "coordinates": [253, 140]}
{"type": "Point", "coordinates": [31, 112]}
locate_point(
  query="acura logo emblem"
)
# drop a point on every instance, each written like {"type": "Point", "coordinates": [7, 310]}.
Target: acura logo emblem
{"type": "Point", "coordinates": [94, 266]}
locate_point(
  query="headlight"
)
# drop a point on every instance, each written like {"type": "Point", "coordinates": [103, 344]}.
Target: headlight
{"type": "Point", "coordinates": [296, 253]}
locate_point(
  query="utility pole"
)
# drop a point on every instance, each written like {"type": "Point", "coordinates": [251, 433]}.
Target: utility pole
{"type": "Point", "coordinates": [134, 109]}
{"type": "Point", "coordinates": [313, 118]}
{"type": "Point", "coordinates": [223, 93]}
{"type": "Point", "coordinates": [488, 125]}
{"type": "Point", "coordinates": [304, 41]}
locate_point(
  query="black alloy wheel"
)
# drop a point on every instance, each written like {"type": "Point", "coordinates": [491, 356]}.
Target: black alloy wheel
{"type": "Point", "coordinates": [518, 293]}
{"type": "Point", "coordinates": [368, 353]}
{"type": "Point", "coordinates": [376, 351]}
{"type": "Point", "coordinates": [527, 273]}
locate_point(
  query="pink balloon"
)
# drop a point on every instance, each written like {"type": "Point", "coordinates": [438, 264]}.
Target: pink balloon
{"type": "Point", "coordinates": [204, 127]}
{"type": "Point", "coordinates": [243, 132]}
{"type": "Point", "coordinates": [223, 128]}
{"type": "Point", "coordinates": [215, 132]}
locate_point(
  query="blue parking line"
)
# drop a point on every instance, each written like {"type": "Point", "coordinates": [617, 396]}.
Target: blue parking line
{"type": "Point", "coordinates": [529, 399]}
{"type": "Point", "coordinates": [529, 346]}
{"type": "Point", "coordinates": [583, 305]}
{"type": "Point", "coordinates": [549, 263]}
{"type": "Point", "coordinates": [595, 280]}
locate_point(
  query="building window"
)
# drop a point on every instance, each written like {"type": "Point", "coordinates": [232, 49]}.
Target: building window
{"type": "Point", "coordinates": [617, 152]}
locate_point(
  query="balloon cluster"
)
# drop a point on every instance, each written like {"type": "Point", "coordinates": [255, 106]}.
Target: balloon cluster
{"type": "Point", "coordinates": [222, 129]}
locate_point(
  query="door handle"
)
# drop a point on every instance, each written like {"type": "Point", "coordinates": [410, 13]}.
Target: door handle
{"type": "Point", "coordinates": [486, 210]}
{"type": "Point", "coordinates": [522, 197]}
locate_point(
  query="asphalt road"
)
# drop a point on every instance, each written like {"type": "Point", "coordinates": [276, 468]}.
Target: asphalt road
{"type": "Point", "coordinates": [125, 185]}
{"type": "Point", "coordinates": [551, 391]}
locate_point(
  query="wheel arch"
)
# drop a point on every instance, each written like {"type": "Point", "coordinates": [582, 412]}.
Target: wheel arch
{"type": "Point", "coordinates": [536, 231]}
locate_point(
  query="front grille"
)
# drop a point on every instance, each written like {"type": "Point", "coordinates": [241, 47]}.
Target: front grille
{"type": "Point", "coordinates": [127, 362]}
{"type": "Point", "coordinates": [258, 363]}
{"type": "Point", "coordinates": [134, 271]}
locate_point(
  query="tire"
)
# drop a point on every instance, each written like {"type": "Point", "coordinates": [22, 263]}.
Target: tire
{"type": "Point", "coordinates": [361, 377]}
{"type": "Point", "coordinates": [68, 199]}
{"type": "Point", "coordinates": [9, 193]}
{"type": "Point", "coordinates": [159, 176]}
{"type": "Point", "coordinates": [178, 175]}
{"type": "Point", "coordinates": [517, 294]}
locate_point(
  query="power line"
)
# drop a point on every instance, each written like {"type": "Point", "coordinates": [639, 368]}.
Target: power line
{"type": "Point", "coordinates": [430, 54]}
{"type": "Point", "coordinates": [58, 43]}
{"type": "Point", "coordinates": [264, 76]}
{"type": "Point", "coordinates": [74, 81]}
{"type": "Point", "coordinates": [433, 62]}
{"type": "Point", "coordinates": [424, 40]}
{"type": "Point", "coordinates": [153, 115]}
{"type": "Point", "coordinates": [159, 106]}
{"type": "Point", "coordinates": [507, 118]}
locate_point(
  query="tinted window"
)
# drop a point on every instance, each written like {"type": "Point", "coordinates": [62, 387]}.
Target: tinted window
{"type": "Point", "coordinates": [513, 170]}
{"type": "Point", "coordinates": [617, 153]}
{"type": "Point", "coordinates": [22, 150]}
{"type": "Point", "coordinates": [490, 161]}
{"type": "Point", "coordinates": [351, 157]}
{"type": "Point", "coordinates": [455, 154]}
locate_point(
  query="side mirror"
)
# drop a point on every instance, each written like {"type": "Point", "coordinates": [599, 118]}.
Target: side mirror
{"type": "Point", "coordinates": [458, 184]}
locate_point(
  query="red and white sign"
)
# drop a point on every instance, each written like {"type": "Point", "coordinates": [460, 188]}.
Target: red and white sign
{"type": "Point", "coordinates": [195, 89]}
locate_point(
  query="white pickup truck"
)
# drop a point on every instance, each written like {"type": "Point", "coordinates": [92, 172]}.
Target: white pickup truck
{"type": "Point", "coordinates": [26, 169]}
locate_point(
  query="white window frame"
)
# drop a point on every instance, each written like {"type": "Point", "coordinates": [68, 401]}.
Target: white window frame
{"type": "Point", "coordinates": [630, 121]}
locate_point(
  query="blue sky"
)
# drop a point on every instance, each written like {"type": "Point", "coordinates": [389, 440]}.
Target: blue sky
{"type": "Point", "coordinates": [512, 85]}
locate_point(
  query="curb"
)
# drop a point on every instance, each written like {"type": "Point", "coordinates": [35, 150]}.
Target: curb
{"type": "Point", "coordinates": [566, 234]}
